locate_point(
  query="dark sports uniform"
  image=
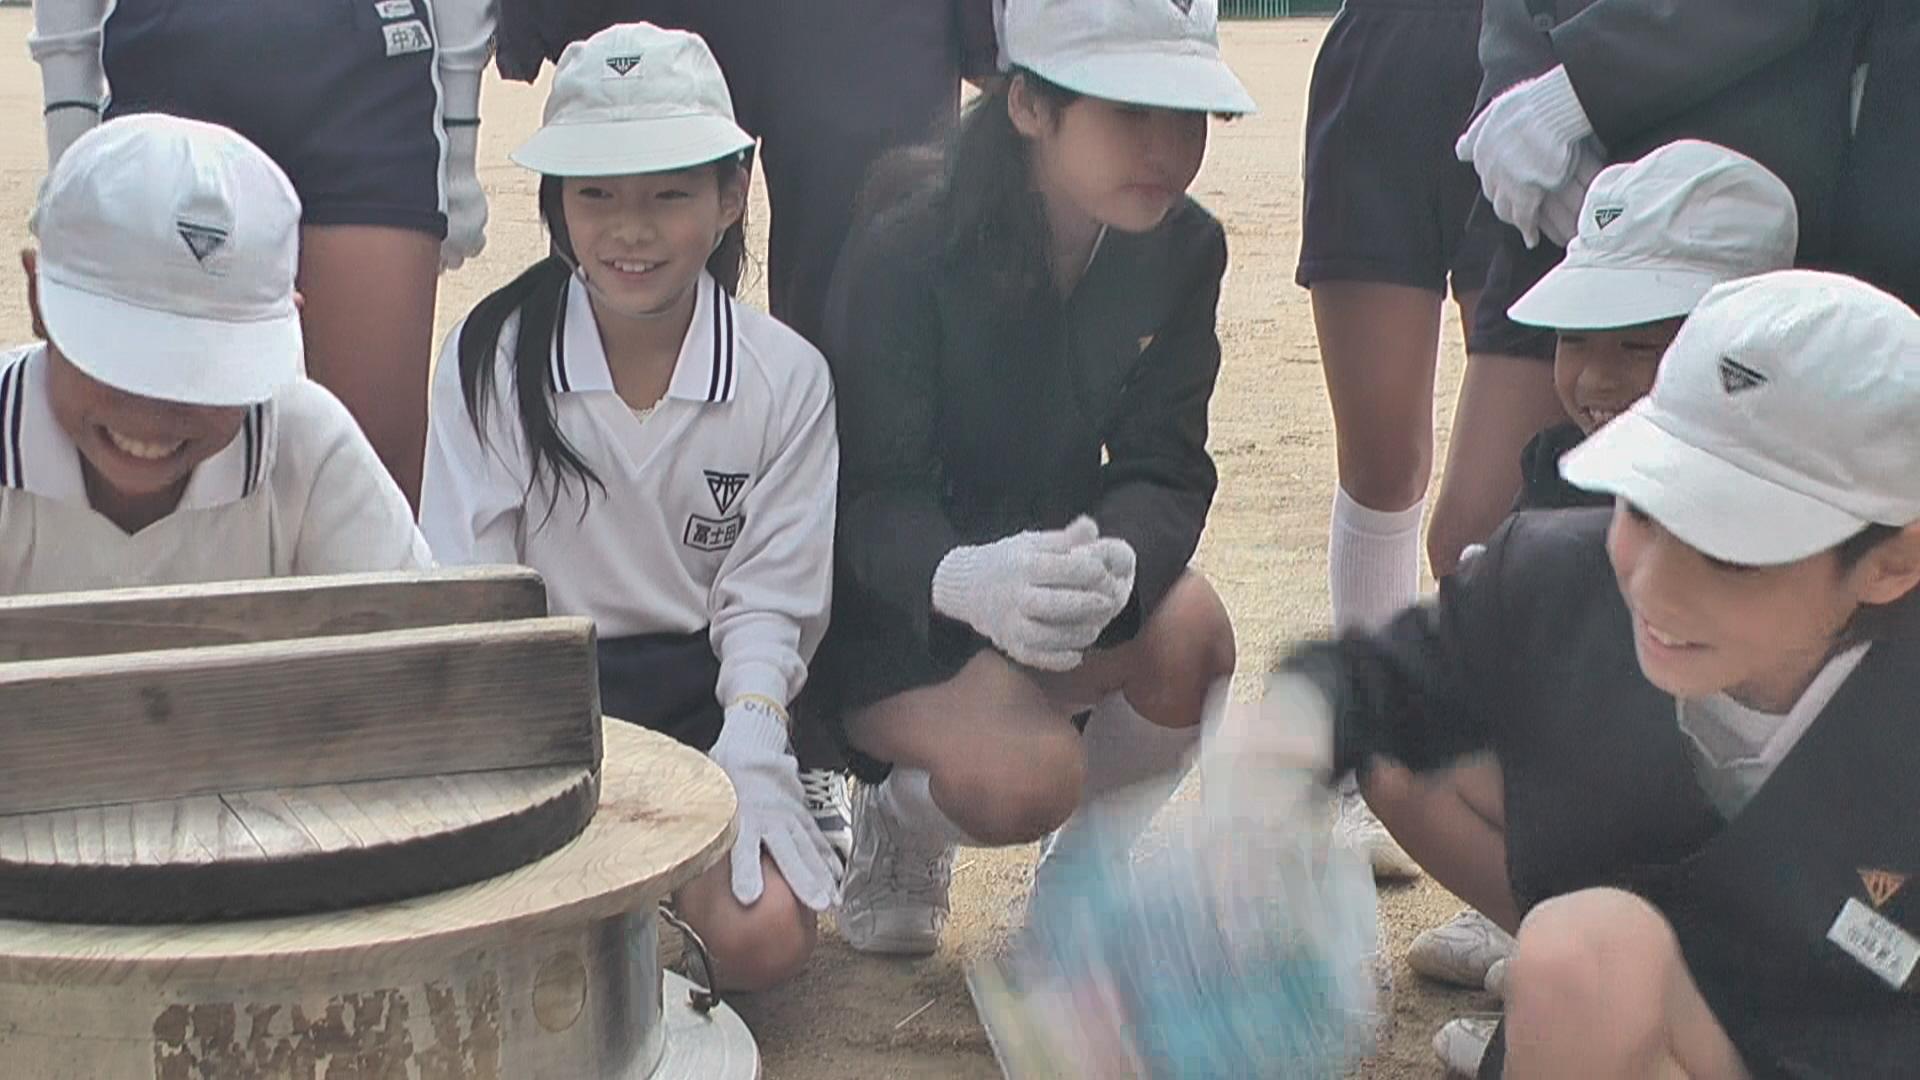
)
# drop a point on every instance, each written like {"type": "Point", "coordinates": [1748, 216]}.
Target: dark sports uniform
{"type": "Point", "coordinates": [1772, 81]}
{"type": "Point", "coordinates": [1528, 652]}
{"type": "Point", "coordinates": [826, 86]}
{"type": "Point", "coordinates": [340, 93]}
{"type": "Point", "coordinates": [963, 421]}
{"type": "Point", "coordinates": [1541, 485]}
{"type": "Point", "coordinates": [1386, 201]}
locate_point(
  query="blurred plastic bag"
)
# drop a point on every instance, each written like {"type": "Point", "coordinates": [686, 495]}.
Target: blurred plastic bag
{"type": "Point", "coordinates": [1243, 949]}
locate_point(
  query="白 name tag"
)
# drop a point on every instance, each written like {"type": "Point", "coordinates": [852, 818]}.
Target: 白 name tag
{"type": "Point", "coordinates": [394, 9]}
{"type": "Point", "coordinates": [1877, 942]}
{"type": "Point", "coordinates": [407, 37]}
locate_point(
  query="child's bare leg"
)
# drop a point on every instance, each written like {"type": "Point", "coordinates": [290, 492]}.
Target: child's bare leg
{"type": "Point", "coordinates": [755, 946]}
{"type": "Point", "coordinates": [1598, 990]}
{"type": "Point", "coordinates": [1453, 823]}
{"type": "Point", "coordinates": [368, 320]}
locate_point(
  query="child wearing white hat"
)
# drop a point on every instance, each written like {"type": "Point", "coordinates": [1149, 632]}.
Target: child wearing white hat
{"type": "Point", "coordinates": [663, 455]}
{"type": "Point", "coordinates": [1699, 702]}
{"type": "Point", "coordinates": [1024, 349]}
{"type": "Point", "coordinates": [1653, 236]}
{"type": "Point", "coordinates": [163, 432]}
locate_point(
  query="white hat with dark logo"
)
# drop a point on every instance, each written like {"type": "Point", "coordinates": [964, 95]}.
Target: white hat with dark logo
{"type": "Point", "coordinates": [1657, 233]}
{"type": "Point", "coordinates": [1159, 53]}
{"type": "Point", "coordinates": [634, 99]}
{"type": "Point", "coordinates": [168, 250]}
{"type": "Point", "coordinates": [1783, 420]}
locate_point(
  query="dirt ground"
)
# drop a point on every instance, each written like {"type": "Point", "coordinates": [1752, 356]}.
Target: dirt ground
{"type": "Point", "coordinates": [855, 1018]}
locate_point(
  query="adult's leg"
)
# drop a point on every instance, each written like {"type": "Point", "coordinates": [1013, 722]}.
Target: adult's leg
{"type": "Point", "coordinates": [368, 321]}
{"type": "Point", "coordinates": [1598, 990]}
{"type": "Point", "coordinates": [755, 946]}
{"type": "Point", "coordinates": [1377, 345]}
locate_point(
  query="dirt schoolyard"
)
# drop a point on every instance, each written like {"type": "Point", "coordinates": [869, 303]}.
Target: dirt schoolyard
{"type": "Point", "coordinates": [855, 1018]}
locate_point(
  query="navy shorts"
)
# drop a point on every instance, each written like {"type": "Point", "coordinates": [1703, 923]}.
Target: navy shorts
{"type": "Point", "coordinates": [340, 93]}
{"type": "Point", "coordinates": [1386, 200]}
{"type": "Point", "coordinates": [1513, 269]}
{"type": "Point", "coordinates": [665, 683]}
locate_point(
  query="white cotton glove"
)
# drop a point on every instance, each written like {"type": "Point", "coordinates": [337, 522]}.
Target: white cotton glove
{"type": "Point", "coordinates": [1040, 597]}
{"type": "Point", "coordinates": [1560, 212]}
{"type": "Point", "coordinates": [752, 751]}
{"type": "Point", "coordinates": [65, 42]}
{"type": "Point", "coordinates": [1261, 762]}
{"type": "Point", "coordinates": [466, 201]}
{"type": "Point", "coordinates": [1526, 145]}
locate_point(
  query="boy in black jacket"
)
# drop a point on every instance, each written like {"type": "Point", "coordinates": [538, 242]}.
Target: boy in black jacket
{"type": "Point", "coordinates": [1699, 702]}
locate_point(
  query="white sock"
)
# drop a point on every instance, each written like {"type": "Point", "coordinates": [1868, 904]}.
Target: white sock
{"type": "Point", "coordinates": [1133, 767]}
{"type": "Point", "coordinates": [906, 796]}
{"type": "Point", "coordinates": [1373, 562]}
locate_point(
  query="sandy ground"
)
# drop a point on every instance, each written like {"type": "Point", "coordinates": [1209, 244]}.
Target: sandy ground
{"type": "Point", "coordinates": [854, 1018]}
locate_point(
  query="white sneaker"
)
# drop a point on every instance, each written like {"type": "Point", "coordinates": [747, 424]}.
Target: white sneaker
{"type": "Point", "coordinates": [1496, 982]}
{"type": "Point", "coordinates": [1355, 827]}
{"type": "Point", "coordinates": [1461, 1043]}
{"type": "Point", "coordinates": [825, 792]}
{"type": "Point", "coordinates": [1461, 950]}
{"type": "Point", "coordinates": [894, 899]}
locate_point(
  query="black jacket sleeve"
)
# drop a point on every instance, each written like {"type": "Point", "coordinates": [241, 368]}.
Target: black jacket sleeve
{"type": "Point", "coordinates": [1425, 690]}
{"type": "Point", "coordinates": [883, 346]}
{"type": "Point", "coordinates": [1638, 63]}
{"type": "Point", "coordinates": [1159, 480]}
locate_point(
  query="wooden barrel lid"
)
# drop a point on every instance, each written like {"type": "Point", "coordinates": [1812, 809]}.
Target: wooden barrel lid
{"type": "Point", "coordinates": [286, 851]}
{"type": "Point", "coordinates": [665, 815]}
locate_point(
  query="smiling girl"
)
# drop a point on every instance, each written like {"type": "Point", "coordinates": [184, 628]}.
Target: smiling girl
{"type": "Point", "coordinates": [1024, 348]}
{"type": "Point", "coordinates": [663, 456]}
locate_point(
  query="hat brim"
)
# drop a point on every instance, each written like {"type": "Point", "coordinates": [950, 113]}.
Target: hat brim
{"type": "Point", "coordinates": [1711, 504]}
{"type": "Point", "coordinates": [628, 147]}
{"type": "Point", "coordinates": [1190, 82]}
{"type": "Point", "coordinates": [1593, 297]}
{"type": "Point", "coordinates": [172, 357]}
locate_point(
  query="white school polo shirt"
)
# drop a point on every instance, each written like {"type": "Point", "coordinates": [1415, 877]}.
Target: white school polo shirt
{"type": "Point", "coordinates": [1737, 748]}
{"type": "Point", "coordinates": [718, 507]}
{"type": "Point", "coordinates": [297, 491]}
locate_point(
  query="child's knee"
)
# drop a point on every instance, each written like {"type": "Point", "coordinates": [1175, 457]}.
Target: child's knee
{"type": "Point", "coordinates": [1190, 647]}
{"type": "Point", "coordinates": [762, 945]}
{"type": "Point", "coordinates": [1015, 796]}
{"type": "Point", "coordinates": [1590, 957]}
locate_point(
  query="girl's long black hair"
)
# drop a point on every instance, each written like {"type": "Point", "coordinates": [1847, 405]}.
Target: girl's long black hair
{"type": "Point", "coordinates": [538, 296]}
{"type": "Point", "coordinates": [979, 187]}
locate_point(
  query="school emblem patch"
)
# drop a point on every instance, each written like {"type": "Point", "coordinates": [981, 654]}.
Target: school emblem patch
{"type": "Point", "coordinates": [622, 66]}
{"type": "Point", "coordinates": [725, 488]}
{"type": "Point", "coordinates": [1185, 6]}
{"type": "Point", "coordinates": [712, 534]}
{"type": "Point", "coordinates": [1604, 216]}
{"type": "Point", "coordinates": [1738, 378]}
{"type": "Point", "coordinates": [1881, 885]}
{"type": "Point", "coordinates": [204, 241]}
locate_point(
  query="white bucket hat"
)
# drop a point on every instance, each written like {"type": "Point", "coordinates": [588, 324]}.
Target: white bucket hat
{"type": "Point", "coordinates": [634, 99]}
{"type": "Point", "coordinates": [1657, 233]}
{"type": "Point", "coordinates": [1158, 53]}
{"type": "Point", "coordinates": [1783, 420]}
{"type": "Point", "coordinates": [168, 250]}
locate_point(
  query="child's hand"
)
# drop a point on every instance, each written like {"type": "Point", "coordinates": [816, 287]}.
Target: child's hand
{"type": "Point", "coordinates": [752, 750]}
{"type": "Point", "coordinates": [1039, 596]}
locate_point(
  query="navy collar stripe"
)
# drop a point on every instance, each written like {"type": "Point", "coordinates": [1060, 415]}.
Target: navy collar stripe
{"type": "Point", "coordinates": [16, 419]}
{"type": "Point", "coordinates": [713, 380]}
{"type": "Point", "coordinates": [725, 303]}
{"type": "Point", "coordinates": [560, 379]}
{"type": "Point", "coordinates": [10, 396]}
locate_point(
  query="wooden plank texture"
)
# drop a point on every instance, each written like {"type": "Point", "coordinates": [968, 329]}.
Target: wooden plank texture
{"type": "Point", "coordinates": [286, 851]}
{"type": "Point", "coordinates": [137, 727]}
{"type": "Point", "coordinates": [49, 625]}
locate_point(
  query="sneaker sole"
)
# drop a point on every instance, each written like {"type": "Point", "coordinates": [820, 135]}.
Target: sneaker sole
{"type": "Point", "coordinates": [886, 945]}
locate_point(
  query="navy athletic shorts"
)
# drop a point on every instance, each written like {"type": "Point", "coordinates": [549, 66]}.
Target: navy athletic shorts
{"type": "Point", "coordinates": [1386, 200]}
{"type": "Point", "coordinates": [341, 93]}
{"type": "Point", "coordinates": [665, 683]}
{"type": "Point", "coordinates": [1513, 269]}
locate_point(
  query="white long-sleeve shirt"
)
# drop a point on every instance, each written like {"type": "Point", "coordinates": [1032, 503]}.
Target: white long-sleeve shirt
{"type": "Point", "coordinates": [298, 491]}
{"type": "Point", "coordinates": [718, 508]}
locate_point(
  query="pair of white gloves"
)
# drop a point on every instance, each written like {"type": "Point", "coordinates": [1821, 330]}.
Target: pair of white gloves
{"type": "Point", "coordinates": [1042, 597]}
{"type": "Point", "coordinates": [66, 43]}
{"type": "Point", "coordinates": [1536, 154]}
